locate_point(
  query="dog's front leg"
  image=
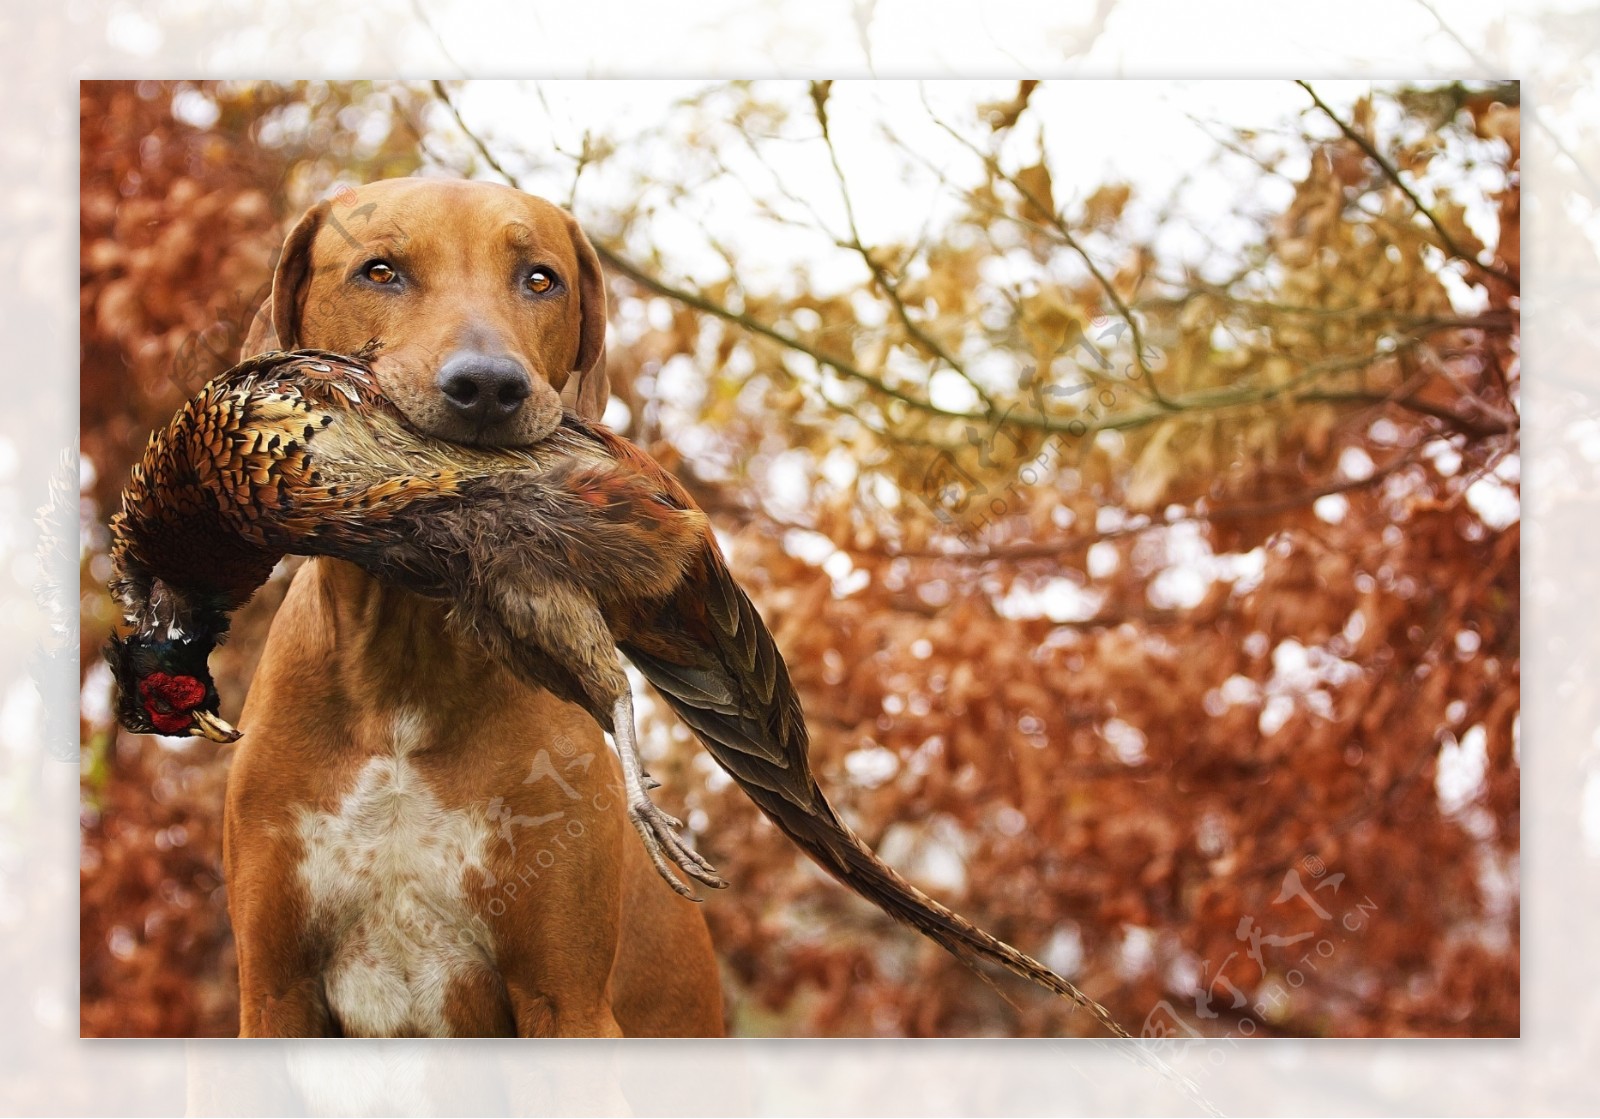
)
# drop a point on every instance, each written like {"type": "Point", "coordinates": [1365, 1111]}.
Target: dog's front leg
{"type": "Point", "coordinates": [300, 1011]}
{"type": "Point", "coordinates": [280, 993]}
{"type": "Point", "coordinates": [281, 988]}
{"type": "Point", "coordinates": [538, 1015]}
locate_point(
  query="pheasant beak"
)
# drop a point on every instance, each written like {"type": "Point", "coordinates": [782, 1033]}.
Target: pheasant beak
{"type": "Point", "coordinates": [214, 727]}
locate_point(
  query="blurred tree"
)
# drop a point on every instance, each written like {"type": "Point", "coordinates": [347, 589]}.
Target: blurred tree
{"type": "Point", "coordinates": [1158, 611]}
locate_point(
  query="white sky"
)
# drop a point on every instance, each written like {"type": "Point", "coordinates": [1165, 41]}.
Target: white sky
{"type": "Point", "coordinates": [1149, 133]}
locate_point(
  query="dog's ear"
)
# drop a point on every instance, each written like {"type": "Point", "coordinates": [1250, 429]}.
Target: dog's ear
{"type": "Point", "coordinates": [277, 324]}
{"type": "Point", "coordinates": [588, 389]}
{"type": "Point", "coordinates": [260, 337]}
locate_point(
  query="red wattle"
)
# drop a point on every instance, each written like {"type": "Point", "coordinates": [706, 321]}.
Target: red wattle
{"type": "Point", "coordinates": [178, 694]}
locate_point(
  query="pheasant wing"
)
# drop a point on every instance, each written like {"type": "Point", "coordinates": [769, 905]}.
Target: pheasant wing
{"type": "Point", "coordinates": [707, 651]}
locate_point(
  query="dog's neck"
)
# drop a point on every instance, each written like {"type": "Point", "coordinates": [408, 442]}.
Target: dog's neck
{"type": "Point", "coordinates": [387, 640]}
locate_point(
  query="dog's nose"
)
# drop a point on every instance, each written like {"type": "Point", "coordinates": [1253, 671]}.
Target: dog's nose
{"type": "Point", "coordinates": [484, 389]}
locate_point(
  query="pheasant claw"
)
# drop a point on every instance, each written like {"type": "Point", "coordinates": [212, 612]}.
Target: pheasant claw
{"type": "Point", "coordinates": [656, 828]}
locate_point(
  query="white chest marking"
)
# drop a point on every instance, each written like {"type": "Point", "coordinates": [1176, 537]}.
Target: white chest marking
{"type": "Point", "coordinates": [386, 875]}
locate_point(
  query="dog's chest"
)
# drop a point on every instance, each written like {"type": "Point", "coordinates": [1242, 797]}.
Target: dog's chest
{"type": "Point", "coordinates": [387, 875]}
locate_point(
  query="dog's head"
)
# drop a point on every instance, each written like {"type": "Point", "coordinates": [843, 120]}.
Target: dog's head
{"type": "Point", "coordinates": [485, 304]}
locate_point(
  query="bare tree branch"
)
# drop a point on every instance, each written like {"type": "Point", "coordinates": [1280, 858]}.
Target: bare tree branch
{"type": "Point", "coordinates": [443, 94]}
{"type": "Point", "coordinates": [1392, 173]}
{"type": "Point", "coordinates": [1062, 230]}
{"type": "Point", "coordinates": [891, 289]}
{"type": "Point", "coordinates": [1299, 388]}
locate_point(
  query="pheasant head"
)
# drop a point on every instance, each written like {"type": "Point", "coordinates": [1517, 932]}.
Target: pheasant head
{"type": "Point", "coordinates": [164, 683]}
{"type": "Point", "coordinates": [164, 686]}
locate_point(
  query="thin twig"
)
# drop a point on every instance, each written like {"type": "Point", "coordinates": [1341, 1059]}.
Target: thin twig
{"type": "Point", "coordinates": [483, 149]}
{"type": "Point", "coordinates": [1392, 173]}
{"type": "Point", "coordinates": [891, 289]}
{"type": "Point", "coordinates": [1059, 226]}
{"type": "Point", "coordinates": [416, 129]}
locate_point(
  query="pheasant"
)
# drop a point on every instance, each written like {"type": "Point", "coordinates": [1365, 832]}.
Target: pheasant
{"type": "Point", "coordinates": [554, 556]}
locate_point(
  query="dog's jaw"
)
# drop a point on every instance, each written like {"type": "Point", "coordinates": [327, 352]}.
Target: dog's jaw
{"type": "Point", "coordinates": [430, 413]}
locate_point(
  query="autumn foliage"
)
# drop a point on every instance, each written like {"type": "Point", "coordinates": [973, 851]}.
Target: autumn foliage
{"type": "Point", "coordinates": [1160, 613]}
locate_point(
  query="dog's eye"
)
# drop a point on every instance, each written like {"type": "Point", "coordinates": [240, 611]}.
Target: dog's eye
{"type": "Point", "coordinates": [380, 273]}
{"type": "Point", "coordinates": [539, 281]}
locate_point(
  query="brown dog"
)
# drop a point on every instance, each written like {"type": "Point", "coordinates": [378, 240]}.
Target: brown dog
{"type": "Point", "coordinates": [416, 843]}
